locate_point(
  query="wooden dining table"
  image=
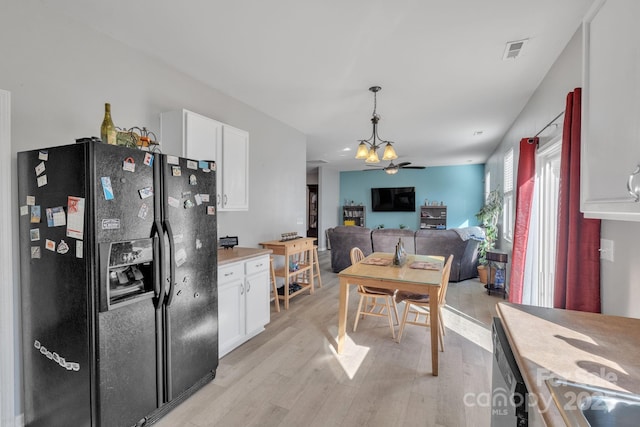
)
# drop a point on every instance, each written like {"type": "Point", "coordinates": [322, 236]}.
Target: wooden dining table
{"type": "Point", "coordinates": [377, 270]}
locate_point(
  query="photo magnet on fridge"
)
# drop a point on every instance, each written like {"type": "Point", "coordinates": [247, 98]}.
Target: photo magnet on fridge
{"type": "Point", "coordinates": [35, 214]}
{"type": "Point", "coordinates": [34, 234]}
{"type": "Point", "coordinates": [50, 245]}
{"type": "Point", "coordinates": [40, 168]}
{"type": "Point", "coordinates": [106, 188]}
{"type": "Point", "coordinates": [129, 164]}
{"type": "Point", "coordinates": [43, 155]}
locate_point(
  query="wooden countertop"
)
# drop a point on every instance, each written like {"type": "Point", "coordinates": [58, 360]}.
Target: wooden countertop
{"type": "Point", "coordinates": [228, 256]}
{"type": "Point", "coordinates": [588, 348]}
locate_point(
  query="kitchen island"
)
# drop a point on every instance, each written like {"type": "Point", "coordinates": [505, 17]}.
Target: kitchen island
{"type": "Point", "coordinates": [594, 349]}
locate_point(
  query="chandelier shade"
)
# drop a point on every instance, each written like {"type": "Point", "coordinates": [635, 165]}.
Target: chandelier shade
{"type": "Point", "coordinates": [368, 148]}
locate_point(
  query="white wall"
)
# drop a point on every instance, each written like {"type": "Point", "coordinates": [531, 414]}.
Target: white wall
{"type": "Point", "coordinates": [328, 202]}
{"type": "Point", "coordinates": [620, 280]}
{"type": "Point", "coordinates": [60, 74]}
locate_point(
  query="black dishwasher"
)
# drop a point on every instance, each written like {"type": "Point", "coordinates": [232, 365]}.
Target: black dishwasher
{"type": "Point", "coordinates": [508, 391]}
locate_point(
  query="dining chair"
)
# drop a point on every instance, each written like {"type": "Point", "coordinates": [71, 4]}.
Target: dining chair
{"type": "Point", "coordinates": [418, 306]}
{"type": "Point", "coordinates": [377, 302]}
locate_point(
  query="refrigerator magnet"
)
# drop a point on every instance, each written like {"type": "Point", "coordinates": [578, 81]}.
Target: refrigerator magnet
{"type": "Point", "coordinates": [43, 155]}
{"type": "Point", "coordinates": [193, 180]}
{"type": "Point", "coordinates": [198, 199]}
{"type": "Point", "coordinates": [143, 211]}
{"type": "Point", "coordinates": [204, 197]}
{"type": "Point", "coordinates": [35, 214]}
{"type": "Point", "coordinates": [148, 159]}
{"type": "Point", "coordinates": [63, 248]}
{"type": "Point", "coordinates": [129, 164]}
{"type": "Point", "coordinates": [79, 246]}
{"type": "Point", "coordinates": [181, 257]}
{"type": "Point", "coordinates": [40, 169]}
{"type": "Point", "coordinates": [176, 171]}
{"type": "Point", "coordinates": [212, 166]}
{"type": "Point", "coordinates": [56, 217]}
{"type": "Point", "coordinates": [203, 165]}
{"type": "Point", "coordinates": [34, 234]}
{"type": "Point", "coordinates": [173, 202]}
{"type": "Point", "coordinates": [111, 224]}
{"type": "Point", "coordinates": [42, 181]}
{"type": "Point", "coordinates": [146, 192]}
{"type": "Point", "coordinates": [107, 188]}
{"type": "Point", "coordinates": [50, 245]}
{"type": "Point", "coordinates": [31, 200]}
{"type": "Point", "coordinates": [35, 252]}
{"type": "Point", "coordinates": [211, 210]}
{"type": "Point", "coordinates": [192, 164]}
{"type": "Point", "coordinates": [173, 160]}
{"type": "Point", "coordinates": [24, 210]}
{"type": "Point", "coordinates": [188, 204]}
{"type": "Point", "coordinates": [75, 217]}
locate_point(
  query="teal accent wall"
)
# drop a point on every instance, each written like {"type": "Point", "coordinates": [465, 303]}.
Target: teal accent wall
{"type": "Point", "coordinates": [461, 188]}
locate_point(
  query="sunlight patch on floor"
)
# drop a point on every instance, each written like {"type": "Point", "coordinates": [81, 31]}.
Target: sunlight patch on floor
{"type": "Point", "coordinates": [352, 356]}
{"type": "Point", "coordinates": [468, 327]}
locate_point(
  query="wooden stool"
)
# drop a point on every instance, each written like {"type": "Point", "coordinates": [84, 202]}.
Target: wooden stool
{"type": "Point", "coordinates": [274, 285]}
{"type": "Point", "coordinates": [316, 266]}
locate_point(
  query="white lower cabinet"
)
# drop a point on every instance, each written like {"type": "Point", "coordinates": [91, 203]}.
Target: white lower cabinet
{"type": "Point", "coordinates": [243, 302]}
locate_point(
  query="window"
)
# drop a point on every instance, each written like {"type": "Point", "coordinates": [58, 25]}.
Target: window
{"type": "Point", "coordinates": [507, 211]}
{"type": "Point", "coordinates": [487, 185]}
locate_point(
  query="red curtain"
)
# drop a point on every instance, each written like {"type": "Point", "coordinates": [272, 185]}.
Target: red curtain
{"type": "Point", "coordinates": [577, 282]}
{"type": "Point", "coordinates": [524, 199]}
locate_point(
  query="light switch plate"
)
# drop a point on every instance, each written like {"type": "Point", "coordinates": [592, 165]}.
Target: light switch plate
{"type": "Point", "coordinates": [606, 249]}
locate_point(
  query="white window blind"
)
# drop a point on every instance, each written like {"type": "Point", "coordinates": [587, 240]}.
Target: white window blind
{"type": "Point", "coordinates": [508, 171]}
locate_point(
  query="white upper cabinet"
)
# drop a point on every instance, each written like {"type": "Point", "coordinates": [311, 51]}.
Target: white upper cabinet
{"type": "Point", "coordinates": [235, 169]}
{"type": "Point", "coordinates": [188, 134]}
{"type": "Point", "coordinates": [610, 182]}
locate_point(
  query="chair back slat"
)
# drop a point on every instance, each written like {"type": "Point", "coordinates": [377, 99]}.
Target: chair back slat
{"type": "Point", "coordinates": [444, 284]}
{"type": "Point", "coordinates": [356, 255]}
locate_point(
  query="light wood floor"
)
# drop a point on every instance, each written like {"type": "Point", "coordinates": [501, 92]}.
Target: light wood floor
{"type": "Point", "coordinates": [289, 375]}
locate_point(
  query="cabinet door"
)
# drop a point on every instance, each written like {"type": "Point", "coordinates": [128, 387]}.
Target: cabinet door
{"type": "Point", "coordinates": [258, 301]}
{"type": "Point", "coordinates": [203, 141]}
{"type": "Point", "coordinates": [231, 319]}
{"type": "Point", "coordinates": [203, 137]}
{"type": "Point", "coordinates": [235, 170]}
{"type": "Point", "coordinates": [611, 111]}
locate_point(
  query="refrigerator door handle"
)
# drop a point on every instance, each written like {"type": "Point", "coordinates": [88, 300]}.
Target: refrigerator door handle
{"type": "Point", "coordinates": [172, 265]}
{"type": "Point", "coordinates": [161, 288]}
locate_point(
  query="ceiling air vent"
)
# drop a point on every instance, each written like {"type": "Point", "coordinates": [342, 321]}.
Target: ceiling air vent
{"type": "Point", "coordinates": [513, 49]}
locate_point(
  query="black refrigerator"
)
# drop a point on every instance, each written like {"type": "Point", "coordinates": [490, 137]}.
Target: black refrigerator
{"type": "Point", "coordinates": [118, 254]}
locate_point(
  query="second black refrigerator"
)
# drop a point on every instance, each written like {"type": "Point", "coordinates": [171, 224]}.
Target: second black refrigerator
{"type": "Point", "coordinates": [118, 282]}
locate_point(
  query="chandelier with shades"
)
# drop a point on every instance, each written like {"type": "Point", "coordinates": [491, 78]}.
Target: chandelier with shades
{"type": "Point", "coordinates": [368, 148]}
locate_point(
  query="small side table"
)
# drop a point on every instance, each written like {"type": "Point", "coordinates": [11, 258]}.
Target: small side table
{"type": "Point", "coordinates": [300, 251]}
{"type": "Point", "coordinates": [497, 261]}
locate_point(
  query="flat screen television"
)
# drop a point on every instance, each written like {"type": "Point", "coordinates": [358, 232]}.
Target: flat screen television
{"type": "Point", "coordinates": [396, 199]}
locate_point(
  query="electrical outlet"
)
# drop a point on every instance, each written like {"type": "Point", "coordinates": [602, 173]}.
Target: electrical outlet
{"type": "Point", "coordinates": [606, 249]}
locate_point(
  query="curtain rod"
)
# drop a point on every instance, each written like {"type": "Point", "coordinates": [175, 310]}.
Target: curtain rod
{"type": "Point", "coordinates": [549, 124]}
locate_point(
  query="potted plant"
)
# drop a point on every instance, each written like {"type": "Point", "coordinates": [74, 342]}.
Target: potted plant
{"type": "Point", "coordinates": [488, 217]}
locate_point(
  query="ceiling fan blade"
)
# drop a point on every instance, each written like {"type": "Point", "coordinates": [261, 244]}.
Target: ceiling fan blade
{"type": "Point", "coordinates": [372, 169]}
{"type": "Point", "coordinates": [403, 164]}
{"type": "Point", "coordinates": [413, 167]}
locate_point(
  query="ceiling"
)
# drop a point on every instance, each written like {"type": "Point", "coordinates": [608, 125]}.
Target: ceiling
{"type": "Point", "coordinates": [310, 63]}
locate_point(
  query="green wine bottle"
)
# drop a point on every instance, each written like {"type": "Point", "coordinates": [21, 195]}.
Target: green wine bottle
{"type": "Point", "coordinates": [108, 130]}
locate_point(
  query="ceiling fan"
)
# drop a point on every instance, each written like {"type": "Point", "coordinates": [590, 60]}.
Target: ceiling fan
{"type": "Point", "coordinates": [392, 168]}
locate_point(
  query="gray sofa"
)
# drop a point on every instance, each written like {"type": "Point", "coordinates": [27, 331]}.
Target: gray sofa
{"type": "Point", "coordinates": [461, 243]}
